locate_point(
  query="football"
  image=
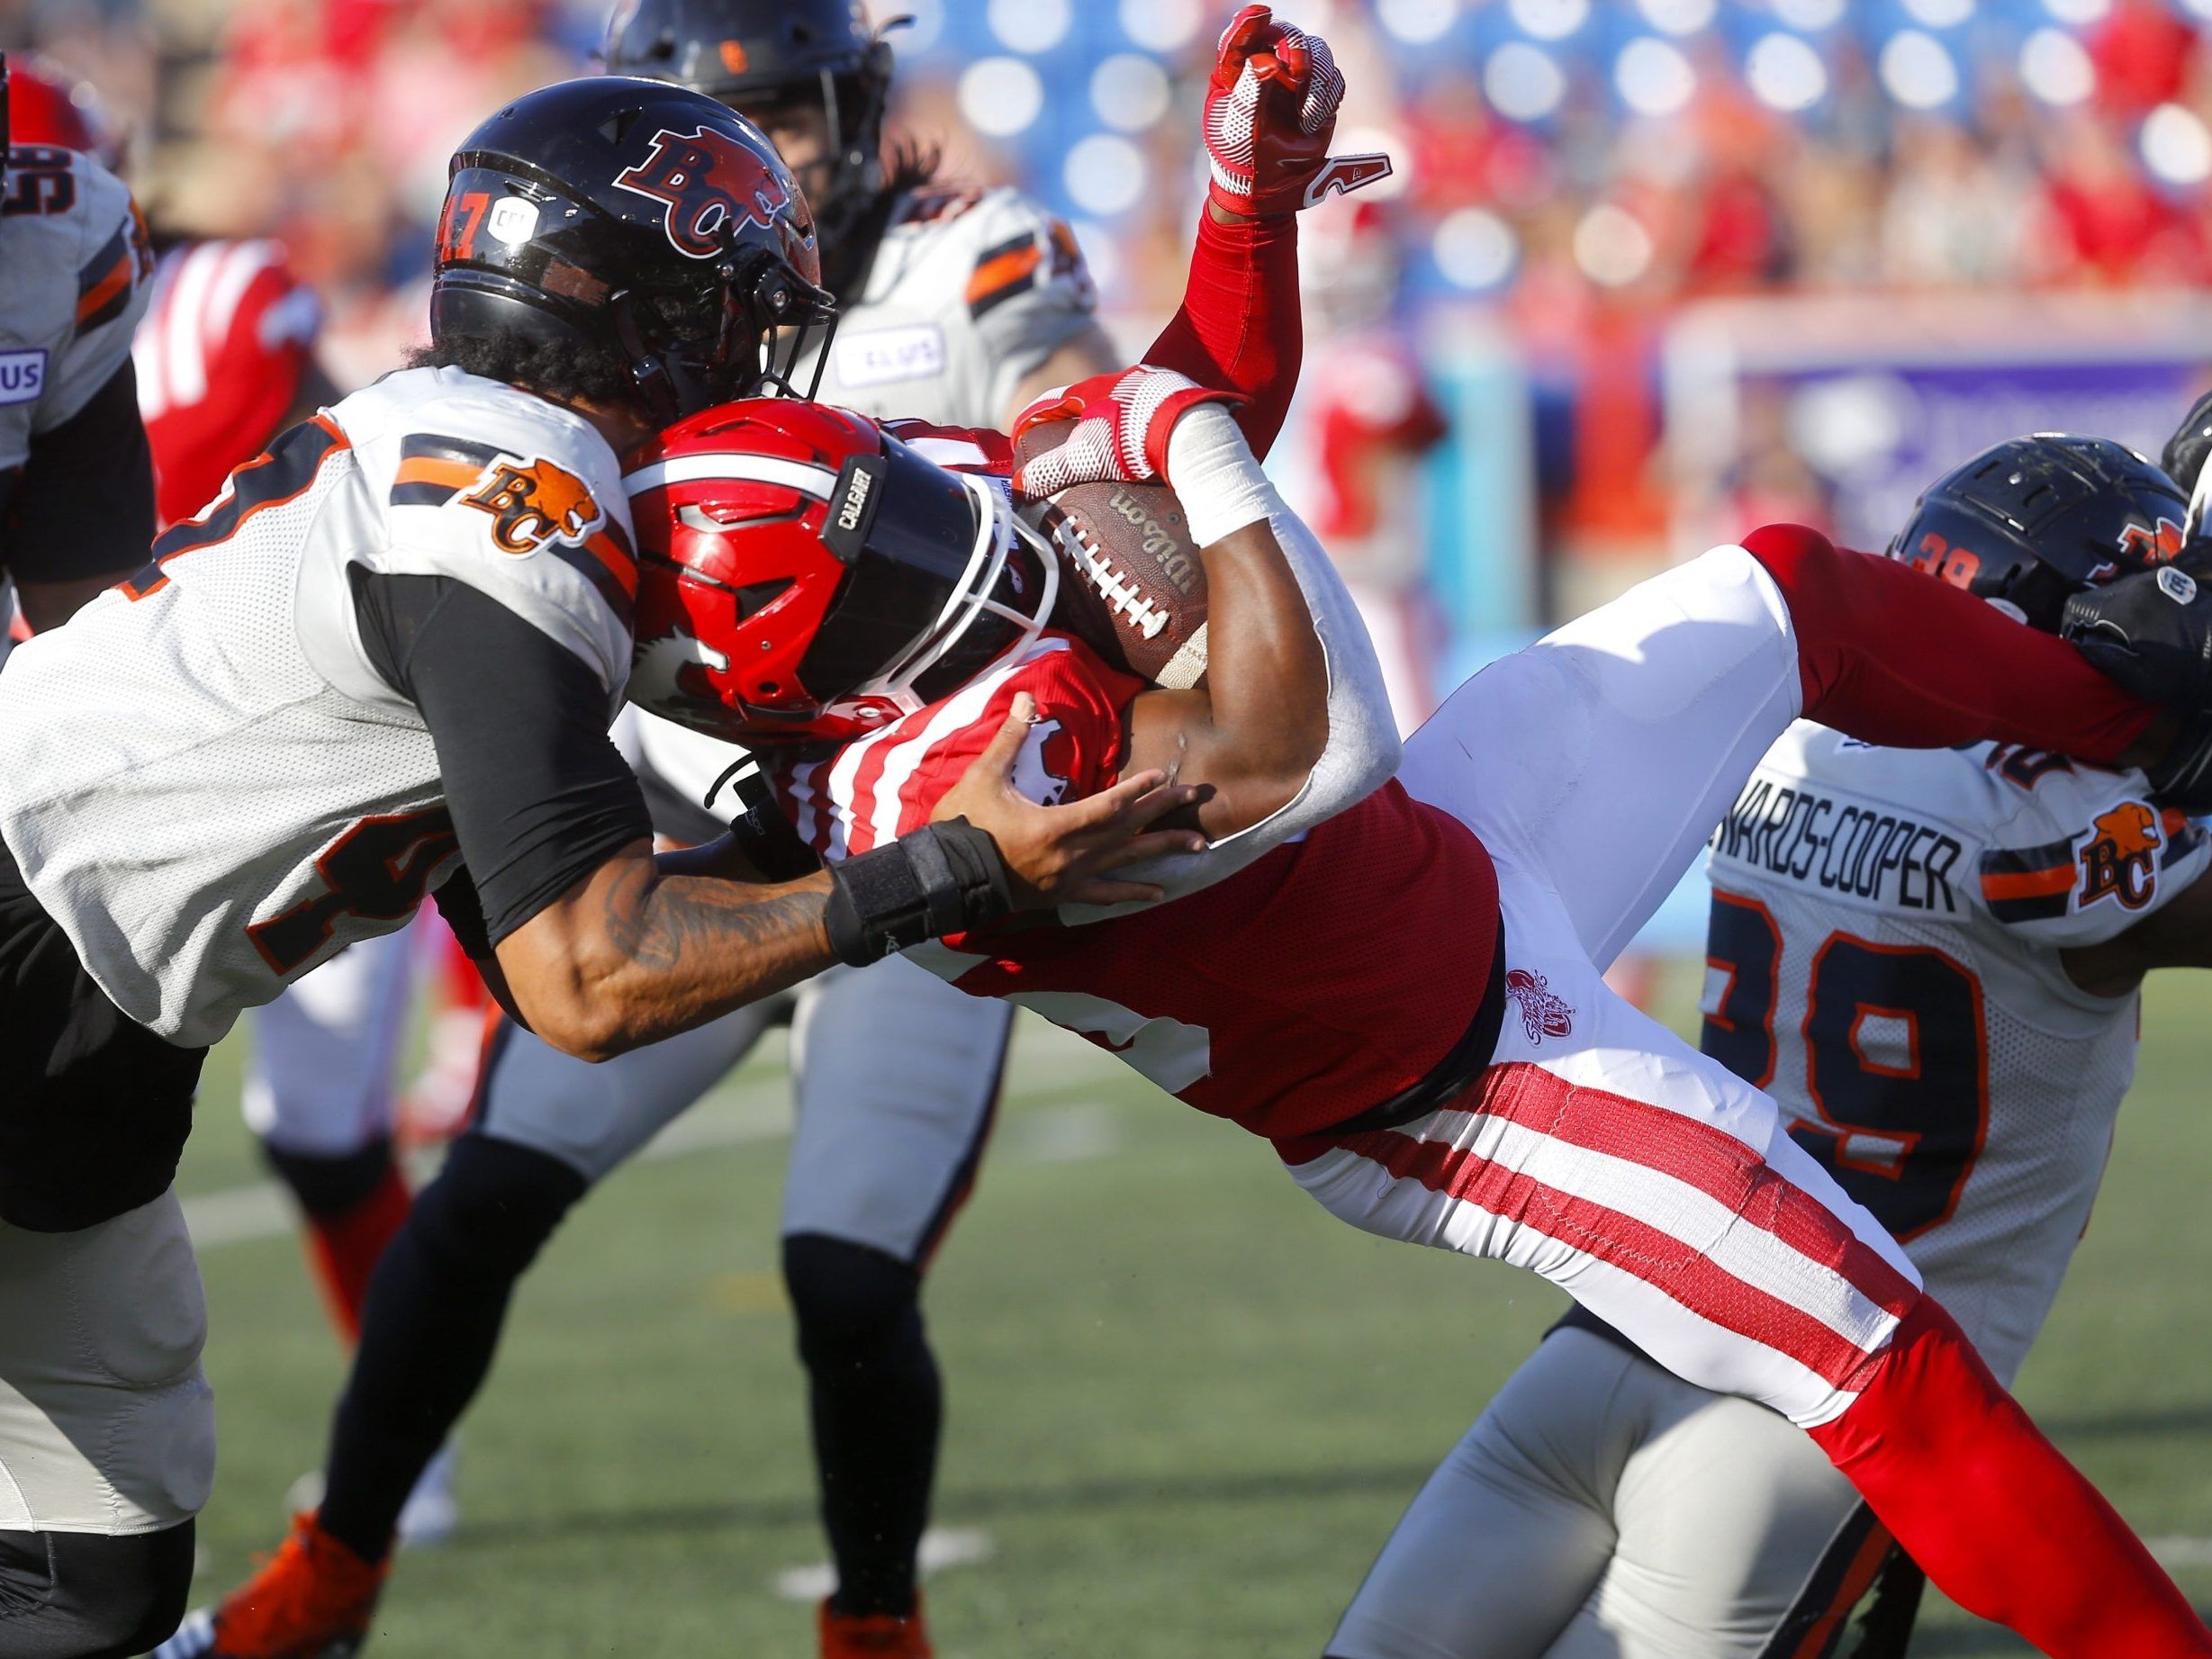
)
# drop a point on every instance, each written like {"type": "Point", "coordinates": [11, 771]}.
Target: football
{"type": "Point", "coordinates": [1131, 585]}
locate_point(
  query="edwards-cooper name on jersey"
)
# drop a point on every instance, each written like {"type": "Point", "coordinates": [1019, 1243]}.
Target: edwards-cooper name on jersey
{"type": "Point", "coordinates": [74, 266]}
{"type": "Point", "coordinates": [1885, 958]}
{"type": "Point", "coordinates": [209, 786]}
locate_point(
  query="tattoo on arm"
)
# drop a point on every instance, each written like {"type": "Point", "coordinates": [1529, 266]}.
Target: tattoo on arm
{"type": "Point", "coordinates": [660, 921]}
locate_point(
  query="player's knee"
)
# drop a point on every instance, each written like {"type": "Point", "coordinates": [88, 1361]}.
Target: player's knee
{"type": "Point", "coordinates": [81, 1596]}
{"type": "Point", "coordinates": [494, 1206]}
{"type": "Point", "coordinates": [853, 1303]}
{"type": "Point", "coordinates": [1805, 567]}
{"type": "Point", "coordinates": [327, 1185]}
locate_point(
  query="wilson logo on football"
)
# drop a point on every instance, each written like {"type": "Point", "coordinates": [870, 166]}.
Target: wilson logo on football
{"type": "Point", "coordinates": [2161, 545]}
{"type": "Point", "coordinates": [533, 502]}
{"type": "Point", "coordinates": [2120, 860]}
{"type": "Point", "coordinates": [707, 181]}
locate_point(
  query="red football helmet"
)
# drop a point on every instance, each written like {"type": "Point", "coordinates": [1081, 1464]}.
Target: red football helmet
{"type": "Point", "coordinates": [47, 105]}
{"type": "Point", "coordinates": [808, 577]}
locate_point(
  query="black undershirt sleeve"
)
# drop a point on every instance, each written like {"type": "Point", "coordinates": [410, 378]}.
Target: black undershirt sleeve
{"type": "Point", "coordinates": [539, 795]}
{"type": "Point", "coordinates": [83, 504]}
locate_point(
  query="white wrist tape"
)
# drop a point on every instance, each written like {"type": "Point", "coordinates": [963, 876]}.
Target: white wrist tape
{"type": "Point", "coordinates": [1210, 469]}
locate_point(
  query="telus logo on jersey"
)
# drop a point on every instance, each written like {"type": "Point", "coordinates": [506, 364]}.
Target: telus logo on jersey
{"type": "Point", "coordinates": [706, 180]}
{"type": "Point", "coordinates": [23, 376]}
{"type": "Point", "coordinates": [533, 502]}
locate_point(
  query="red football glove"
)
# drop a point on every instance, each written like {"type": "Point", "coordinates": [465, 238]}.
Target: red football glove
{"type": "Point", "coordinates": [1270, 111]}
{"type": "Point", "coordinates": [1122, 419]}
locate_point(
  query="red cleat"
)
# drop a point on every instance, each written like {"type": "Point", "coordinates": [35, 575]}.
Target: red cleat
{"type": "Point", "coordinates": [874, 1635]}
{"type": "Point", "coordinates": [311, 1599]}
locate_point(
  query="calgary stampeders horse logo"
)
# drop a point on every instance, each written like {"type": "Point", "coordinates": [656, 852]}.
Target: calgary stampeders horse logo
{"type": "Point", "coordinates": [706, 180]}
{"type": "Point", "coordinates": [1543, 1012]}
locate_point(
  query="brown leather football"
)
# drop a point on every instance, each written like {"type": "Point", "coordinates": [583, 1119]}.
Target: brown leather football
{"type": "Point", "coordinates": [1131, 586]}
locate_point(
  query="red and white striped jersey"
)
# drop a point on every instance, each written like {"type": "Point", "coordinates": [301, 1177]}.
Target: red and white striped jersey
{"type": "Point", "coordinates": [228, 337]}
{"type": "Point", "coordinates": [1321, 980]}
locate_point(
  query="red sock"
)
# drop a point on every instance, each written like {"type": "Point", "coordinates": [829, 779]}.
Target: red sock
{"type": "Point", "coordinates": [1889, 654]}
{"type": "Point", "coordinates": [344, 1249]}
{"type": "Point", "coordinates": [1995, 1516]}
{"type": "Point", "coordinates": [1240, 327]}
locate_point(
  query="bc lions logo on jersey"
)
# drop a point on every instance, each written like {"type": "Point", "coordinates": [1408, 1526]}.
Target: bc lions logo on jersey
{"type": "Point", "coordinates": [533, 502]}
{"type": "Point", "coordinates": [707, 179]}
{"type": "Point", "coordinates": [2120, 860]}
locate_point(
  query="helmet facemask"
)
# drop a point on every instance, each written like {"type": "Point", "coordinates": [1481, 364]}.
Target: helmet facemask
{"type": "Point", "coordinates": [741, 331]}
{"type": "Point", "coordinates": [972, 559]}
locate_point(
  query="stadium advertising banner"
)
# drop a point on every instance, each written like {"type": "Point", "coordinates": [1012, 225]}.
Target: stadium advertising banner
{"type": "Point", "coordinates": [1837, 413]}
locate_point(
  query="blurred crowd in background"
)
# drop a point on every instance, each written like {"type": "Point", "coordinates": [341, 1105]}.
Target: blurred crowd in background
{"type": "Point", "coordinates": [1575, 178]}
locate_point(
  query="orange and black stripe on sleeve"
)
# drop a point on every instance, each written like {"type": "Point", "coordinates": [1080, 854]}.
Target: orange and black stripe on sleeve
{"type": "Point", "coordinates": [284, 473]}
{"type": "Point", "coordinates": [1003, 272]}
{"type": "Point", "coordinates": [2028, 884]}
{"type": "Point", "coordinates": [607, 561]}
{"type": "Point", "coordinates": [433, 469]}
{"type": "Point", "coordinates": [104, 286]}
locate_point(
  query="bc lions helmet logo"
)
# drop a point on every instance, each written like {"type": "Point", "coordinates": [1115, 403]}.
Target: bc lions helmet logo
{"type": "Point", "coordinates": [2161, 545]}
{"type": "Point", "coordinates": [2120, 858]}
{"type": "Point", "coordinates": [706, 180]}
{"type": "Point", "coordinates": [533, 502]}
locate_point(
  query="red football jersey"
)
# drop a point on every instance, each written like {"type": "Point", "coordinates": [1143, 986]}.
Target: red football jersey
{"type": "Point", "coordinates": [1321, 981]}
{"type": "Point", "coordinates": [226, 340]}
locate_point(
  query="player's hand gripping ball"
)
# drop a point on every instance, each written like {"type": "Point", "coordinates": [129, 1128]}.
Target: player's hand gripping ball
{"type": "Point", "coordinates": [1270, 113]}
{"type": "Point", "coordinates": [1089, 458]}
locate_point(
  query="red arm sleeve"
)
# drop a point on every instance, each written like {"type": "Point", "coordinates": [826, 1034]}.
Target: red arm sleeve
{"type": "Point", "coordinates": [1889, 656]}
{"type": "Point", "coordinates": [1240, 327]}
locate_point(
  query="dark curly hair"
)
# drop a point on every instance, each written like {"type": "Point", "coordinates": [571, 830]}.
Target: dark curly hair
{"type": "Point", "coordinates": [598, 374]}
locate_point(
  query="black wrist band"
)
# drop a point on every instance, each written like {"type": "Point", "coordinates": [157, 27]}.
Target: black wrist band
{"type": "Point", "coordinates": [941, 879]}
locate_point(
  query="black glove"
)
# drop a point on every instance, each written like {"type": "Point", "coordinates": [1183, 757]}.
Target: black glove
{"type": "Point", "coordinates": [2187, 450]}
{"type": "Point", "coordinates": [2151, 633]}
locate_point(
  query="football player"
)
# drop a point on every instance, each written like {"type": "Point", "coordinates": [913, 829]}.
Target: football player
{"type": "Point", "coordinates": [1930, 958]}
{"type": "Point", "coordinates": [860, 1232]}
{"type": "Point", "coordinates": [382, 662]}
{"type": "Point", "coordinates": [1397, 981]}
{"type": "Point", "coordinates": [106, 1429]}
{"type": "Point", "coordinates": [958, 306]}
{"type": "Point", "coordinates": [225, 360]}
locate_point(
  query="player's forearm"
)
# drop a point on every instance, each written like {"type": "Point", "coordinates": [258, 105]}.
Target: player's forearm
{"type": "Point", "coordinates": [1267, 678]}
{"type": "Point", "coordinates": [634, 953]}
{"type": "Point", "coordinates": [1240, 327]}
{"type": "Point", "coordinates": [1290, 671]}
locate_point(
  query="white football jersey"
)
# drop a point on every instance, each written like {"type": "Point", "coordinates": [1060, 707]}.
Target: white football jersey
{"type": "Point", "coordinates": [970, 292]}
{"type": "Point", "coordinates": [1884, 960]}
{"type": "Point", "coordinates": [204, 781]}
{"type": "Point", "coordinates": [77, 261]}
